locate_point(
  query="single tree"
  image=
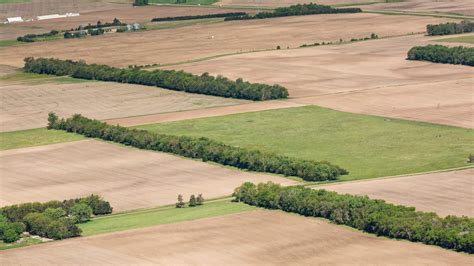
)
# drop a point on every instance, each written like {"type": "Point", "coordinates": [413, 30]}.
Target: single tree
{"type": "Point", "coordinates": [81, 213]}
{"type": "Point", "coordinates": [192, 201]}
{"type": "Point", "coordinates": [199, 200]}
{"type": "Point", "coordinates": [180, 203]}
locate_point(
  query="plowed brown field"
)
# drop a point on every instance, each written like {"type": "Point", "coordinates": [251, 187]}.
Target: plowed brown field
{"type": "Point", "coordinates": [250, 238]}
{"type": "Point", "coordinates": [128, 178]}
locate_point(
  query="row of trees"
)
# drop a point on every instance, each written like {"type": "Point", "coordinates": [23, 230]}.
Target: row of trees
{"type": "Point", "coordinates": [140, 2]}
{"type": "Point", "coordinates": [372, 216]}
{"type": "Point", "coordinates": [219, 15]}
{"type": "Point", "coordinates": [297, 10]}
{"type": "Point", "coordinates": [52, 219]}
{"type": "Point", "coordinates": [450, 28]}
{"type": "Point", "coordinates": [200, 148]}
{"type": "Point", "coordinates": [168, 79]}
{"type": "Point", "coordinates": [115, 23]}
{"type": "Point", "coordinates": [443, 54]}
{"type": "Point", "coordinates": [193, 201]}
{"type": "Point", "coordinates": [35, 37]}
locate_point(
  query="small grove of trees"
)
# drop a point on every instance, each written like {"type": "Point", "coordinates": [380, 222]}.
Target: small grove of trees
{"type": "Point", "coordinates": [193, 201]}
{"type": "Point", "coordinates": [443, 54]}
{"type": "Point", "coordinates": [168, 79]}
{"type": "Point", "coordinates": [200, 148]}
{"type": "Point", "coordinates": [52, 219]}
{"type": "Point", "coordinates": [450, 28]}
{"type": "Point", "coordinates": [220, 15]}
{"type": "Point", "coordinates": [35, 37]}
{"type": "Point", "coordinates": [297, 10]}
{"type": "Point", "coordinates": [140, 2]}
{"type": "Point", "coordinates": [360, 212]}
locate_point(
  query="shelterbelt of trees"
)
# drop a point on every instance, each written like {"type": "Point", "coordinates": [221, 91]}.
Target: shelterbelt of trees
{"type": "Point", "coordinates": [167, 79]}
{"type": "Point", "coordinates": [296, 10]}
{"type": "Point", "coordinates": [450, 28]}
{"type": "Point", "coordinates": [199, 148]}
{"type": "Point", "coordinates": [372, 216]}
{"type": "Point", "coordinates": [36, 37]}
{"type": "Point", "coordinates": [442, 54]}
{"type": "Point", "coordinates": [52, 219]}
{"type": "Point", "coordinates": [220, 15]}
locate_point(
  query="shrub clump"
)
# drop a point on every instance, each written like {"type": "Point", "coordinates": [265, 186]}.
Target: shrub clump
{"type": "Point", "coordinates": [443, 54]}
{"type": "Point", "coordinates": [296, 10]}
{"type": "Point", "coordinates": [200, 148]}
{"type": "Point", "coordinates": [450, 28]}
{"type": "Point", "coordinates": [360, 212]}
{"type": "Point", "coordinates": [168, 79]}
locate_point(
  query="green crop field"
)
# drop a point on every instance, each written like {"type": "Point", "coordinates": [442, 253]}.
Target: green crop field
{"type": "Point", "coordinates": [186, 2]}
{"type": "Point", "coordinates": [35, 137]}
{"type": "Point", "coordinates": [13, 1]}
{"type": "Point", "coordinates": [367, 146]}
{"type": "Point", "coordinates": [460, 39]}
{"type": "Point", "coordinates": [163, 215]}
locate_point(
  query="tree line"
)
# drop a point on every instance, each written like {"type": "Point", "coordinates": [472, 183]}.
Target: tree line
{"type": "Point", "coordinates": [219, 15]}
{"type": "Point", "coordinates": [52, 219]}
{"type": "Point", "coordinates": [442, 54]}
{"type": "Point", "coordinates": [199, 148]}
{"type": "Point", "coordinates": [360, 212]}
{"type": "Point", "coordinates": [193, 201]}
{"type": "Point", "coordinates": [450, 28]}
{"type": "Point", "coordinates": [35, 37]}
{"type": "Point", "coordinates": [168, 79]}
{"type": "Point", "coordinates": [140, 2]}
{"type": "Point", "coordinates": [296, 10]}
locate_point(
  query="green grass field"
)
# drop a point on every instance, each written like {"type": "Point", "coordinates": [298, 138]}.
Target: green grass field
{"type": "Point", "coordinates": [162, 215]}
{"type": "Point", "coordinates": [32, 78]}
{"type": "Point", "coordinates": [35, 137]}
{"type": "Point", "coordinates": [7, 43]}
{"type": "Point", "coordinates": [460, 39]}
{"type": "Point", "coordinates": [13, 1]}
{"type": "Point", "coordinates": [367, 146]}
{"type": "Point", "coordinates": [187, 2]}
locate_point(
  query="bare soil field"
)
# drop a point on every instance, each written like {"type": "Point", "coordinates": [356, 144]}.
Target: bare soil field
{"type": "Point", "coordinates": [26, 106]}
{"type": "Point", "coordinates": [463, 7]}
{"type": "Point", "coordinates": [280, 3]}
{"type": "Point", "coordinates": [124, 12]}
{"type": "Point", "coordinates": [250, 238]}
{"type": "Point", "coordinates": [445, 193]}
{"type": "Point", "coordinates": [195, 42]}
{"type": "Point", "coordinates": [207, 112]}
{"type": "Point", "coordinates": [371, 77]}
{"type": "Point", "coordinates": [128, 178]}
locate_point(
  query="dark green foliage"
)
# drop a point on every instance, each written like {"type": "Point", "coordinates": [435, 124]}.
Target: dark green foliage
{"type": "Point", "coordinates": [45, 226]}
{"type": "Point", "coordinates": [140, 2]}
{"type": "Point", "coordinates": [10, 232]}
{"type": "Point", "coordinates": [192, 201]}
{"type": "Point", "coordinates": [168, 79]}
{"type": "Point", "coordinates": [55, 213]}
{"type": "Point", "coordinates": [373, 216]}
{"type": "Point", "coordinates": [115, 23]}
{"type": "Point", "coordinates": [180, 203]}
{"type": "Point", "coordinates": [33, 37]}
{"type": "Point", "coordinates": [97, 204]}
{"type": "Point", "coordinates": [200, 148]}
{"type": "Point", "coordinates": [219, 15]}
{"type": "Point", "coordinates": [450, 28]}
{"type": "Point", "coordinates": [443, 54]}
{"type": "Point", "coordinates": [72, 35]}
{"type": "Point", "coordinates": [200, 200]}
{"type": "Point", "coordinates": [80, 213]}
{"type": "Point", "coordinates": [297, 10]}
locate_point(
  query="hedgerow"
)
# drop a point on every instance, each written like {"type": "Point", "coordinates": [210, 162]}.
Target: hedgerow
{"type": "Point", "coordinates": [443, 54]}
{"type": "Point", "coordinates": [363, 213]}
{"type": "Point", "coordinates": [35, 37]}
{"type": "Point", "coordinates": [219, 15]}
{"type": "Point", "coordinates": [450, 28]}
{"type": "Point", "coordinates": [168, 79]}
{"type": "Point", "coordinates": [52, 219]}
{"type": "Point", "coordinates": [296, 10]}
{"type": "Point", "coordinates": [200, 148]}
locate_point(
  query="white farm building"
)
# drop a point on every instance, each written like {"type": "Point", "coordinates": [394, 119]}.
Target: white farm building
{"type": "Point", "coordinates": [14, 19]}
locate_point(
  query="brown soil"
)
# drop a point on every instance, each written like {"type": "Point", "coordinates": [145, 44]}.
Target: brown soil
{"type": "Point", "coordinates": [128, 178]}
{"type": "Point", "coordinates": [369, 77]}
{"type": "Point", "coordinates": [27, 106]}
{"type": "Point", "coordinates": [463, 7]}
{"type": "Point", "coordinates": [446, 193]}
{"type": "Point", "coordinates": [280, 3]}
{"type": "Point", "coordinates": [250, 238]}
{"type": "Point", "coordinates": [194, 42]}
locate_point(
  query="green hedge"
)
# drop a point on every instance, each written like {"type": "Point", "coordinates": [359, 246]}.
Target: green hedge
{"type": "Point", "coordinates": [450, 28]}
{"type": "Point", "coordinates": [443, 54]}
{"type": "Point", "coordinates": [372, 216]}
{"type": "Point", "coordinates": [34, 37]}
{"type": "Point", "coordinates": [201, 148]}
{"type": "Point", "coordinates": [168, 79]}
{"type": "Point", "coordinates": [296, 10]}
{"type": "Point", "coordinates": [219, 15]}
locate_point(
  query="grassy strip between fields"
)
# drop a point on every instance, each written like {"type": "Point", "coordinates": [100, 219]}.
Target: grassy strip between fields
{"type": "Point", "coordinates": [34, 79]}
{"type": "Point", "coordinates": [460, 39]}
{"type": "Point", "coordinates": [420, 14]}
{"type": "Point", "coordinates": [14, 1]}
{"type": "Point", "coordinates": [35, 137]}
